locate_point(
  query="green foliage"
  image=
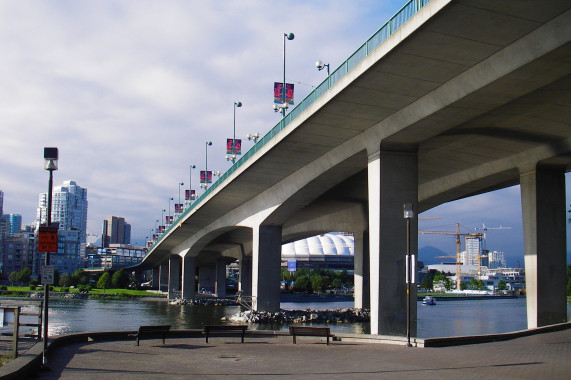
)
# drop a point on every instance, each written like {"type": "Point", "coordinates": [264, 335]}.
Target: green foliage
{"type": "Point", "coordinates": [302, 285]}
{"type": "Point", "coordinates": [120, 279]}
{"type": "Point", "coordinates": [64, 280]}
{"type": "Point", "coordinates": [319, 283]}
{"type": "Point", "coordinates": [462, 285]}
{"type": "Point", "coordinates": [104, 281]}
{"type": "Point", "coordinates": [80, 277]}
{"type": "Point", "coordinates": [20, 277]}
{"type": "Point", "coordinates": [476, 284]}
{"type": "Point", "coordinates": [502, 285]}
{"type": "Point", "coordinates": [32, 287]}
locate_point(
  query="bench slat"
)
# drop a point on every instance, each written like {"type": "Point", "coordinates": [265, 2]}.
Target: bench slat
{"type": "Point", "coordinates": [310, 331]}
{"type": "Point", "coordinates": [232, 328]}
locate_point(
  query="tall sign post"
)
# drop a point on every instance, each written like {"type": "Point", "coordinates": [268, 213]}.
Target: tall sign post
{"type": "Point", "coordinates": [47, 242]}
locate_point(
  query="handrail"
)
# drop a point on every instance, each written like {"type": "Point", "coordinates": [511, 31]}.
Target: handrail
{"type": "Point", "coordinates": [396, 21]}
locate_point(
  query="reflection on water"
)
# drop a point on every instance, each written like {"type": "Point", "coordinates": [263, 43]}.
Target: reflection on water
{"type": "Point", "coordinates": [449, 318]}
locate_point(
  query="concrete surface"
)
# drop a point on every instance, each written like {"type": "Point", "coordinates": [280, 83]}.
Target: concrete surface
{"type": "Point", "coordinates": [538, 356]}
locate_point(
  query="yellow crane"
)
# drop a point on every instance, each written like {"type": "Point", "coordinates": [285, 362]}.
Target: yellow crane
{"type": "Point", "coordinates": [457, 235]}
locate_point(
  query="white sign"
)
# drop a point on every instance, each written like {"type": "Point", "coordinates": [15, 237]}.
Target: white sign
{"type": "Point", "coordinates": [48, 275]}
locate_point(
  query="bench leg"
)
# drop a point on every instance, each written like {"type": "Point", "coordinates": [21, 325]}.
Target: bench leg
{"type": "Point", "coordinates": [164, 339]}
{"type": "Point", "coordinates": [293, 339]}
{"type": "Point", "coordinates": [243, 333]}
{"type": "Point", "coordinates": [137, 340]}
{"type": "Point", "coordinates": [328, 340]}
{"type": "Point", "coordinates": [206, 335]}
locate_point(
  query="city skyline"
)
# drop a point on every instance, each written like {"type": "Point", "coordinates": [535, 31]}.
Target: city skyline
{"type": "Point", "coordinates": [130, 92]}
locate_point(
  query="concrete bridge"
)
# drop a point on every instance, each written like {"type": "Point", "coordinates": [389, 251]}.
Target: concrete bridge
{"type": "Point", "coordinates": [449, 99]}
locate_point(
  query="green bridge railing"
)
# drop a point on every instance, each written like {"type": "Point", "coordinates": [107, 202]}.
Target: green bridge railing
{"type": "Point", "coordinates": [395, 22]}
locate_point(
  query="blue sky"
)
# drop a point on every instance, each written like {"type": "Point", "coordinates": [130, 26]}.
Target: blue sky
{"type": "Point", "coordinates": [129, 91]}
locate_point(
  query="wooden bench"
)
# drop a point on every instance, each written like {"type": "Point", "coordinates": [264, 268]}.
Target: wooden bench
{"type": "Point", "coordinates": [310, 331]}
{"type": "Point", "coordinates": [233, 329]}
{"type": "Point", "coordinates": [159, 331]}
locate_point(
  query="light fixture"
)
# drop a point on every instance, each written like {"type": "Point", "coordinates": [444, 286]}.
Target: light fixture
{"type": "Point", "coordinates": [284, 106]}
{"type": "Point", "coordinates": [253, 137]}
{"type": "Point", "coordinates": [320, 66]}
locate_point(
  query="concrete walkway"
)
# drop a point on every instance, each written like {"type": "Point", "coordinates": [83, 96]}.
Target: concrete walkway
{"type": "Point", "coordinates": [541, 356]}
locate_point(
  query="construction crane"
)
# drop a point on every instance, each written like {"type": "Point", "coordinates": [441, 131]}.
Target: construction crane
{"type": "Point", "coordinates": [457, 235]}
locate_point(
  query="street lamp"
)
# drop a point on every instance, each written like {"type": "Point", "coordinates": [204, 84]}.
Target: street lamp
{"type": "Point", "coordinates": [205, 184]}
{"type": "Point", "coordinates": [253, 137]}
{"type": "Point", "coordinates": [410, 277]}
{"type": "Point", "coordinates": [50, 164]}
{"type": "Point", "coordinates": [282, 108]}
{"type": "Point", "coordinates": [320, 66]}
{"type": "Point", "coordinates": [169, 215]}
{"type": "Point", "coordinates": [232, 157]}
{"type": "Point", "coordinates": [190, 197]}
{"type": "Point", "coordinates": [163, 216]}
{"type": "Point", "coordinates": [180, 184]}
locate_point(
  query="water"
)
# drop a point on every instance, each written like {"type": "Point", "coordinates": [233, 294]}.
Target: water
{"type": "Point", "coordinates": [450, 318]}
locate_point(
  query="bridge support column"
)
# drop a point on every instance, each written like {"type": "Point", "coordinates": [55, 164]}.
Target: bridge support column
{"type": "Point", "coordinates": [544, 229]}
{"type": "Point", "coordinates": [156, 278]}
{"type": "Point", "coordinates": [393, 181]}
{"type": "Point", "coordinates": [361, 270]}
{"type": "Point", "coordinates": [246, 276]}
{"type": "Point", "coordinates": [220, 286]}
{"type": "Point", "coordinates": [174, 276]}
{"type": "Point", "coordinates": [206, 278]}
{"type": "Point", "coordinates": [266, 268]}
{"type": "Point", "coordinates": [188, 281]}
{"type": "Point", "coordinates": [164, 276]}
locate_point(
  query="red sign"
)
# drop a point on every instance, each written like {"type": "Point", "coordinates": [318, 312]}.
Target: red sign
{"type": "Point", "coordinates": [47, 239]}
{"type": "Point", "coordinates": [236, 148]}
{"type": "Point", "coordinates": [278, 93]}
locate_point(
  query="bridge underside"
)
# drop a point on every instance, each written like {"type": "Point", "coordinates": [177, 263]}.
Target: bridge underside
{"type": "Point", "coordinates": [468, 97]}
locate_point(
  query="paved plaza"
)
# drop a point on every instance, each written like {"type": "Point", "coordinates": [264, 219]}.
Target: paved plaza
{"type": "Point", "coordinates": [541, 356]}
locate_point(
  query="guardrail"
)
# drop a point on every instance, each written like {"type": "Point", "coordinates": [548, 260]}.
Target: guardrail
{"type": "Point", "coordinates": [395, 22]}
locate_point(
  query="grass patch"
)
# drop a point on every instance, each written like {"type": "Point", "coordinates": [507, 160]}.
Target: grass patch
{"type": "Point", "coordinates": [4, 359]}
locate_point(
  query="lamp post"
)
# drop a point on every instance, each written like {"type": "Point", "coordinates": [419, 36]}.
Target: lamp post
{"type": "Point", "coordinates": [163, 216]}
{"type": "Point", "coordinates": [205, 184]}
{"type": "Point", "coordinates": [410, 270]}
{"type": "Point", "coordinates": [284, 106]}
{"type": "Point", "coordinates": [50, 164]}
{"type": "Point", "coordinates": [169, 215]}
{"type": "Point", "coordinates": [180, 184]}
{"type": "Point", "coordinates": [232, 157]}
{"type": "Point", "coordinates": [320, 66]}
{"type": "Point", "coordinates": [190, 198]}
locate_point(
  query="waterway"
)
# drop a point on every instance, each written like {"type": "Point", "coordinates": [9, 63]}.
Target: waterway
{"type": "Point", "coordinates": [450, 318]}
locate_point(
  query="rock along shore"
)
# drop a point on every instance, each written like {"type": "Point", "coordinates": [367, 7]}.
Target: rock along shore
{"type": "Point", "coordinates": [345, 315]}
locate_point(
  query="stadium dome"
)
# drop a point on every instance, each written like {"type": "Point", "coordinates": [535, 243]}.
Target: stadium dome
{"type": "Point", "coordinates": [321, 245]}
{"type": "Point", "coordinates": [332, 250]}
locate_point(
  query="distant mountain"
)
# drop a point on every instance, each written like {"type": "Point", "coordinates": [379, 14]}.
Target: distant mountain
{"type": "Point", "coordinates": [429, 253]}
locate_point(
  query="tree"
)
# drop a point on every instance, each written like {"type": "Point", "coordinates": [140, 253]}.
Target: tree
{"type": "Point", "coordinates": [80, 277]}
{"type": "Point", "coordinates": [302, 284]}
{"type": "Point", "coordinates": [462, 285]}
{"type": "Point", "coordinates": [120, 279]}
{"type": "Point", "coordinates": [25, 274]}
{"type": "Point", "coordinates": [104, 281]}
{"type": "Point", "coordinates": [427, 282]}
{"type": "Point", "coordinates": [319, 283]}
{"type": "Point", "coordinates": [14, 277]}
{"type": "Point", "coordinates": [502, 285]}
{"type": "Point", "coordinates": [64, 280]}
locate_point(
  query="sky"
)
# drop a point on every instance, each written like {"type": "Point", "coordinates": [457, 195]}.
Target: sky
{"type": "Point", "coordinates": [130, 91]}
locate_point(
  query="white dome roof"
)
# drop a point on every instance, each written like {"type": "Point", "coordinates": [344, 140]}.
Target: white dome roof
{"type": "Point", "coordinates": [330, 244]}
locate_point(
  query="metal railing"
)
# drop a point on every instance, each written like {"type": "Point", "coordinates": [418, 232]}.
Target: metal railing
{"type": "Point", "coordinates": [395, 22]}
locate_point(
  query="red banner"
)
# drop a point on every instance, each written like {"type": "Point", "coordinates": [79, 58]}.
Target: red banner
{"type": "Point", "coordinates": [278, 94]}
{"type": "Point", "coordinates": [237, 149]}
{"type": "Point", "coordinates": [205, 177]}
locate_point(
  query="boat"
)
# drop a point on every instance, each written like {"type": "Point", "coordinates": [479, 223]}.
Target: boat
{"type": "Point", "coordinates": [429, 300]}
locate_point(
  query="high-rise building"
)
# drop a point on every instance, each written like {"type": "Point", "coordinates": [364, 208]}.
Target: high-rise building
{"type": "Point", "coordinates": [69, 213]}
{"type": "Point", "coordinates": [115, 231]}
{"type": "Point", "coordinates": [69, 209]}
{"type": "Point", "coordinates": [15, 223]}
{"type": "Point", "coordinates": [20, 250]}
{"type": "Point", "coordinates": [4, 230]}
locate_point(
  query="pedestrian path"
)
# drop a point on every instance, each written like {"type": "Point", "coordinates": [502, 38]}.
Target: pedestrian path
{"type": "Point", "coordinates": [541, 356]}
